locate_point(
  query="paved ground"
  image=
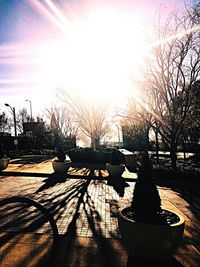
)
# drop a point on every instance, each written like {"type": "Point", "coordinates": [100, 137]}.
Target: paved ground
{"type": "Point", "coordinates": [85, 213]}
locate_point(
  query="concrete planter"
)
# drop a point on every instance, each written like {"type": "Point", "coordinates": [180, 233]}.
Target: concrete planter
{"type": "Point", "coordinates": [150, 242]}
{"type": "Point", "coordinates": [60, 166]}
{"type": "Point", "coordinates": [115, 170]}
{"type": "Point", "coordinates": [4, 163]}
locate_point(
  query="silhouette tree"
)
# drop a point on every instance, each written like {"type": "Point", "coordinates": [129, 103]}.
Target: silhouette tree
{"type": "Point", "coordinates": [4, 122]}
{"type": "Point", "coordinates": [62, 125]}
{"type": "Point", "coordinates": [22, 117]}
{"type": "Point", "coordinates": [171, 70]}
{"type": "Point", "coordinates": [93, 117]}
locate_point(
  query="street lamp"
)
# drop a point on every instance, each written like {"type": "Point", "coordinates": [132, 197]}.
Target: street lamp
{"type": "Point", "coordinates": [15, 125]}
{"type": "Point", "coordinates": [30, 108]}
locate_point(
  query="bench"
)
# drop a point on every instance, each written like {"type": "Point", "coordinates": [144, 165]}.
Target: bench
{"type": "Point", "coordinates": [129, 159]}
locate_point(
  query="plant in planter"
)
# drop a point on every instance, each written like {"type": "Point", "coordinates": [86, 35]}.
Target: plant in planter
{"type": "Point", "coordinates": [115, 167]}
{"type": "Point", "coordinates": [89, 155]}
{"type": "Point", "coordinates": [149, 232]}
{"type": "Point", "coordinates": [60, 164]}
{"type": "Point", "coordinates": [4, 161]}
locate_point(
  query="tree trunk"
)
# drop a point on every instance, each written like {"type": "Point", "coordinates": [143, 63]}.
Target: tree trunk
{"type": "Point", "coordinates": [157, 147]}
{"type": "Point", "coordinates": [92, 143]}
{"type": "Point", "coordinates": [147, 137]}
{"type": "Point", "coordinates": [173, 152]}
{"type": "Point", "coordinates": [184, 151]}
{"type": "Point", "coordinates": [95, 142]}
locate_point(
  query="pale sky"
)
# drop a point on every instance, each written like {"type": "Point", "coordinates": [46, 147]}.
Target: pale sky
{"type": "Point", "coordinates": [93, 47]}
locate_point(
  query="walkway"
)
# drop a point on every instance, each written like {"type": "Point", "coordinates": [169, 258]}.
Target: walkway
{"type": "Point", "coordinates": [85, 213]}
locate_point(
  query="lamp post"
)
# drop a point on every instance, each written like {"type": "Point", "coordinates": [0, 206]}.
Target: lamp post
{"type": "Point", "coordinates": [15, 124]}
{"type": "Point", "coordinates": [30, 108]}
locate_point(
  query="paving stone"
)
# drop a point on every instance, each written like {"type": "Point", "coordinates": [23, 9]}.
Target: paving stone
{"type": "Point", "coordinates": [89, 209]}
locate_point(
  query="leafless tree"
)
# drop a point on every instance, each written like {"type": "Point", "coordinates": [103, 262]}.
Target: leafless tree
{"type": "Point", "coordinates": [93, 117]}
{"type": "Point", "coordinates": [136, 117]}
{"type": "Point", "coordinates": [61, 122]}
{"type": "Point", "coordinates": [4, 122]}
{"type": "Point", "coordinates": [22, 117]}
{"type": "Point", "coordinates": [171, 70]}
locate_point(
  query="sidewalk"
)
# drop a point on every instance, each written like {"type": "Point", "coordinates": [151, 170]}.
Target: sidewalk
{"type": "Point", "coordinates": [85, 214]}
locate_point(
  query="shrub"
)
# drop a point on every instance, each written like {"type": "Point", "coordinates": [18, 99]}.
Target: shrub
{"type": "Point", "coordinates": [146, 202]}
{"type": "Point", "coordinates": [60, 154]}
{"type": "Point", "coordinates": [90, 155]}
{"type": "Point", "coordinates": [2, 154]}
{"type": "Point", "coordinates": [115, 158]}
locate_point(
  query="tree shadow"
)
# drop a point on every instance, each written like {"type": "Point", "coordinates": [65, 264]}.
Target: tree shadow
{"type": "Point", "coordinates": [83, 201]}
{"type": "Point", "coordinates": [75, 173]}
{"type": "Point", "coordinates": [52, 180]}
{"type": "Point", "coordinates": [31, 159]}
{"type": "Point", "coordinates": [118, 184]}
{"type": "Point", "coordinates": [67, 200]}
{"type": "Point", "coordinates": [17, 218]}
{"type": "Point", "coordinates": [86, 205]}
{"type": "Point", "coordinates": [25, 249]}
{"type": "Point", "coordinates": [19, 246]}
{"type": "Point", "coordinates": [28, 174]}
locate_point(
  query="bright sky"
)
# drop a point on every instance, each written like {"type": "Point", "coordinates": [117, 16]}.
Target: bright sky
{"type": "Point", "coordinates": [94, 47]}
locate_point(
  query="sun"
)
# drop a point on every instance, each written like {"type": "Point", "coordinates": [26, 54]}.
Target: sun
{"type": "Point", "coordinates": [98, 53]}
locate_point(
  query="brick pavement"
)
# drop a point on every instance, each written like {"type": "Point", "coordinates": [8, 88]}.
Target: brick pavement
{"type": "Point", "coordinates": [87, 209]}
{"type": "Point", "coordinates": [91, 202]}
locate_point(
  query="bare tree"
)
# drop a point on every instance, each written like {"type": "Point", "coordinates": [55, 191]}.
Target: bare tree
{"type": "Point", "coordinates": [61, 122]}
{"type": "Point", "coordinates": [22, 117]}
{"type": "Point", "coordinates": [93, 117]}
{"type": "Point", "coordinates": [171, 70]}
{"type": "Point", "coordinates": [136, 123]}
{"type": "Point", "coordinates": [4, 122]}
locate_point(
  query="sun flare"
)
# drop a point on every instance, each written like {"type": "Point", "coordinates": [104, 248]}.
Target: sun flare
{"type": "Point", "coordinates": [97, 55]}
{"type": "Point", "coordinates": [93, 48]}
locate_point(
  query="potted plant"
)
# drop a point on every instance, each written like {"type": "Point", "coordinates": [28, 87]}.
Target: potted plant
{"type": "Point", "coordinates": [4, 161]}
{"type": "Point", "coordinates": [148, 231]}
{"type": "Point", "coordinates": [60, 164]}
{"type": "Point", "coordinates": [115, 167]}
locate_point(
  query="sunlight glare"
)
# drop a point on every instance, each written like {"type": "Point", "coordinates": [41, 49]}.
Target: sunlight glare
{"type": "Point", "coordinates": [97, 55]}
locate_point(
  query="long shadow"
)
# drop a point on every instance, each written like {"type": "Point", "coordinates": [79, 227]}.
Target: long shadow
{"type": "Point", "coordinates": [46, 175]}
{"type": "Point", "coordinates": [27, 220]}
{"type": "Point", "coordinates": [57, 196]}
{"type": "Point", "coordinates": [118, 184]}
{"type": "Point", "coordinates": [72, 195]}
{"type": "Point", "coordinates": [31, 159]}
{"type": "Point", "coordinates": [52, 180]}
{"type": "Point", "coordinates": [62, 194]}
{"type": "Point", "coordinates": [14, 227]}
{"type": "Point", "coordinates": [28, 174]}
{"type": "Point", "coordinates": [35, 255]}
{"type": "Point", "coordinates": [94, 219]}
{"type": "Point", "coordinates": [83, 203]}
